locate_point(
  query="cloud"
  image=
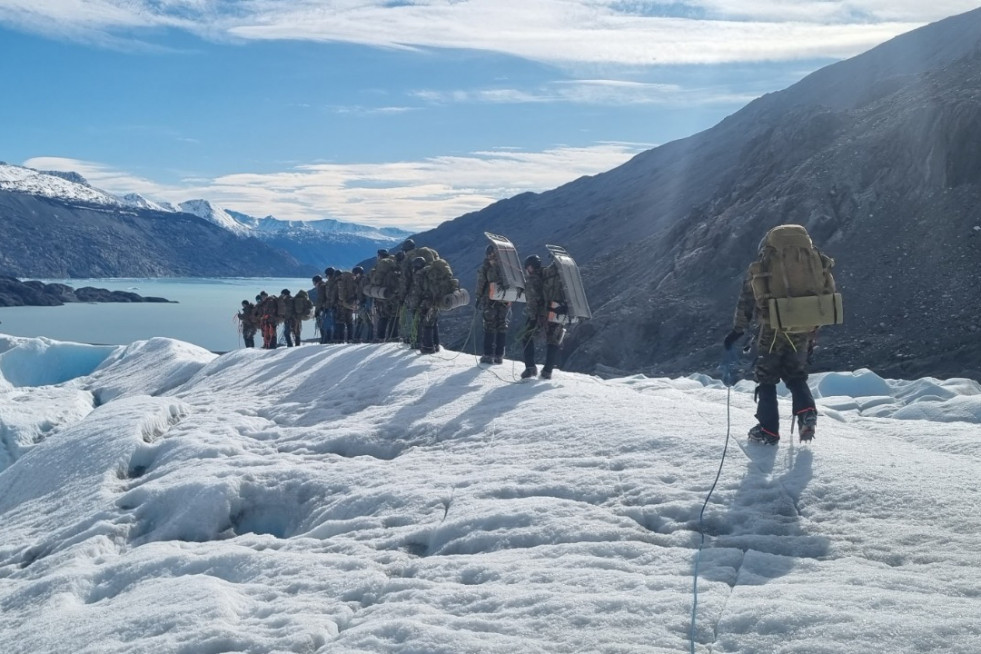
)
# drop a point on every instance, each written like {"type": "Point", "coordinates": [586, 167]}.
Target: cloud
{"type": "Point", "coordinates": [564, 32]}
{"type": "Point", "coordinates": [410, 194]}
{"type": "Point", "coordinates": [596, 92]}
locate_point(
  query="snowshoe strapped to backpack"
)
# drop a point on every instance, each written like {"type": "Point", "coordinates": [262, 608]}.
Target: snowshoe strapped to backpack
{"type": "Point", "coordinates": [792, 282]}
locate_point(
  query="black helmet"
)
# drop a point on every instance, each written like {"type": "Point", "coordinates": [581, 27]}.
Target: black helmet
{"type": "Point", "coordinates": [245, 303]}
{"type": "Point", "coordinates": [400, 256]}
{"type": "Point", "coordinates": [317, 279]}
{"type": "Point", "coordinates": [263, 294]}
{"type": "Point", "coordinates": [490, 249]}
{"type": "Point", "coordinates": [285, 291]}
{"type": "Point", "coordinates": [409, 244]}
{"type": "Point", "coordinates": [258, 298]}
{"type": "Point", "coordinates": [357, 270]}
{"type": "Point", "coordinates": [328, 271]}
{"type": "Point", "coordinates": [418, 262]}
{"type": "Point", "coordinates": [534, 261]}
{"type": "Point", "coordinates": [383, 253]}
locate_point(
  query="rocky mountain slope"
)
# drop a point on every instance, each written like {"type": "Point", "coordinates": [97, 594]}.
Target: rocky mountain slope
{"type": "Point", "coordinates": [79, 237]}
{"type": "Point", "coordinates": [878, 156]}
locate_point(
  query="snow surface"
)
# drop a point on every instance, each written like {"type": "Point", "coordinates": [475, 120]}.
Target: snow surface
{"type": "Point", "coordinates": [364, 498]}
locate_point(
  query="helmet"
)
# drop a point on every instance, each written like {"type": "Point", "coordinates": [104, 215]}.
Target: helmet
{"type": "Point", "coordinates": [400, 256]}
{"type": "Point", "coordinates": [285, 291]}
{"type": "Point", "coordinates": [328, 271]}
{"type": "Point", "coordinates": [357, 270]}
{"type": "Point", "coordinates": [534, 262]}
{"type": "Point", "coordinates": [263, 294]}
{"type": "Point", "coordinates": [258, 298]}
{"type": "Point", "coordinates": [245, 303]}
{"type": "Point", "coordinates": [418, 262]}
{"type": "Point", "coordinates": [383, 253]}
{"type": "Point", "coordinates": [490, 249]}
{"type": "Point", "coordinates": [409, 244]}
{"type": "Point", "coordinates": [317, 279]}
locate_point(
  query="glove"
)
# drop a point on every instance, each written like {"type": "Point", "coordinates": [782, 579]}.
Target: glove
{"type": "Point", "coordinates": [731, 338]}
{"type": "Point", "coordinates": [560, 309]}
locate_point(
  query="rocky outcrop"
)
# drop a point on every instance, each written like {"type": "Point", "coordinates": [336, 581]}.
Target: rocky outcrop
{"type": "Point", "coordinates": [15, 293]}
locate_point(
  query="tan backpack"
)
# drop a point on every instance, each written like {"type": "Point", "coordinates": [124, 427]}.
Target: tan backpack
{"type": "Point", "coordinates": [792, 282]}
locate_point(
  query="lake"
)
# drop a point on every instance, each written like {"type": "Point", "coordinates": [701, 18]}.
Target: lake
{"type": "Point", "coordinates": [204, 313]}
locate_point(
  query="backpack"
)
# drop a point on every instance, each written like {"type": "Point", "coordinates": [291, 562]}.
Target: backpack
{"type": "Point", "coordinates": [792, 282]}
{"type": "Point", "coordinates": [302, 306]}
{"type": "Point", "coordinates": [439, 279]}
{"type": "Point", "coordinates": [347, 290]}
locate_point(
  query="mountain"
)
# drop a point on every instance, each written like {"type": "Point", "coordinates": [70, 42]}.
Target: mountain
{"type": "Point", "coordinates": [878, 156]}
{"type": "Point", "coordinates": [155, 497]}
{"type": "Point", "coordinates": [56, 225]}
{"type": "Point", "coordinates": [322, 243]}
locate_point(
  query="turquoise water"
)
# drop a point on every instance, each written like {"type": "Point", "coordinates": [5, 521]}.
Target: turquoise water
{"type": "Point", "coordinates": [204, 313]}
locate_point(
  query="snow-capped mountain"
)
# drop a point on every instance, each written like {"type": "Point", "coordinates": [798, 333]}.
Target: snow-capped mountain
{"type": "Point", "coordinates": [211, 213]}
{"type": "Point", "coordinates": [68, 187]}
{"type": "Point", "coordinates": [138, 201]}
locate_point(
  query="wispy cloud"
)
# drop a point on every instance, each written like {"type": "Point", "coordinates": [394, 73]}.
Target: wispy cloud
{"type": "Point", "coordinates": [593, 91]}
{"type": "Point", "coordinates": [625, 32]}
{"type": "Point", "coordinates": [412, 194]}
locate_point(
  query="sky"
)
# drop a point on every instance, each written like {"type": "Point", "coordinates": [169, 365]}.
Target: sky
{"type": "Point", "coordinates": [155, 497]}
{"type": "Point", "coordinates": [395, 112]}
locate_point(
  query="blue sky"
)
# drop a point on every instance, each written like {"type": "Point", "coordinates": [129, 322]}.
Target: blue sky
{"type": "Point", "coordinates": [394, 112]}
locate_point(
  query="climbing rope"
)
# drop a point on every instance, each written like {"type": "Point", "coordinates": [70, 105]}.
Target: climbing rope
{"type": "Point", "coordinates": [727, 377]}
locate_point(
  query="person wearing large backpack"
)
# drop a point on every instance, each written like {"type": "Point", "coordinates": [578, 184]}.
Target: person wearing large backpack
{"type": "Point", "coordinates": [302, 310]}
{"type": "Point", "coordinates": [790, 292]}
{"type": "Point", "coordinates": [410, 317]}
{"type": "Point", "coordinates": [248, 323]}
{"type": "Point", "coordinates": [385, 277]}
{"type": "Point", "coordinates": [286, 316]}
{"type": "Point", "coordinates": [266, 310]}
{"type": "Point", "coordinates": [495, 313]}
{"type": "Point", "coordinates": [430, 284]}
{"type": "Point", "coordinates": [543, 288]}
{"type": "Point", "coordinates": [345, 306]}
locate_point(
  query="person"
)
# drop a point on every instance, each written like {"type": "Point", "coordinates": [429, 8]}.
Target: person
{"type": "Point", "coordinates": [286, 316]}
{"type": "Point", "coordinates": [495, 313]}
{"type": "Point", "coordinates": [386, 274]}
{"type": "Point", "coordinates": [345, 306]}
{"type": "Point", "coordinates": [302, 310]}
{"type": "Point", "coordinates": [782, 352]}
{"type": "Point", "coordinates": [320, 307]}
{"type": "Point", "coordinates": [543, 287]}
{"type": "Point", "coordinates": [329, 330]}
{"type": "Point", "coordinates": [363, 322]}
{"type": "Point", "coordinates": [248, 323]}
{"type": "Point", "coordinates": [266, 310]}
{"type": "Point", "coordinates": [409, 317]}
{"type": "Point", "coordinates": [431, 282]}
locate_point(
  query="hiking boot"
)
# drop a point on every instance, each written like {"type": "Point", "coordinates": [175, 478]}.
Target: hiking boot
{"type": "Point", "coordinates": [546, 373]}
{"type": "Point", "coordinates": [530, 371]}
{"type": "Point", "coordinates": [486, 359]}
{"type": "Point", "coordinates": [759, 435]}
{"type": "Point", "coordinates": [806, 421]}
{"type": "Point", "coordinates": [498, 360]}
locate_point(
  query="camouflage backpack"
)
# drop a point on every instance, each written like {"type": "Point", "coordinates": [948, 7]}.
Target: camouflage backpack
{"type": "Point", "coordinates": [792, 282]}
{"type": "Point", "coordinates": [347, 290]}
{"type": "Point", "coordinates": [439, 279]}
{"type": "Point", "coordinates": [302, 306]}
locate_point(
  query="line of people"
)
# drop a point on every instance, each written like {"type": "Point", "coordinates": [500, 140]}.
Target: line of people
{"type": "Point", "coordinates": [400, 298]}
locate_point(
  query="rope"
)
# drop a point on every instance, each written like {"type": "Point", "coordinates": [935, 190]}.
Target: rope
{"type": "Point", "coordinates": [701, 514]}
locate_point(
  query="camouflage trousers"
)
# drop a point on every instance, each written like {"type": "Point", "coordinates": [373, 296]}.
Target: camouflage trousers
{"type": "Point", "coordinates": [496, 316]}
{"type": "Point", "coordinates": [781, 357]}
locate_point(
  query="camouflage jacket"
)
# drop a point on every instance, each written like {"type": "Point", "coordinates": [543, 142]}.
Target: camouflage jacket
{"type": "Point", "coordinates": [542, 287]}
{"type": "Point", "coordinates": [487, 274]}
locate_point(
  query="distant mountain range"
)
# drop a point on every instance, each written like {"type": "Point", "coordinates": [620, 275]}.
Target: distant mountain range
{"type": "Point", "coordinates": [57, 225]}
{"type": "Point", "coordinates": [878, 156]}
